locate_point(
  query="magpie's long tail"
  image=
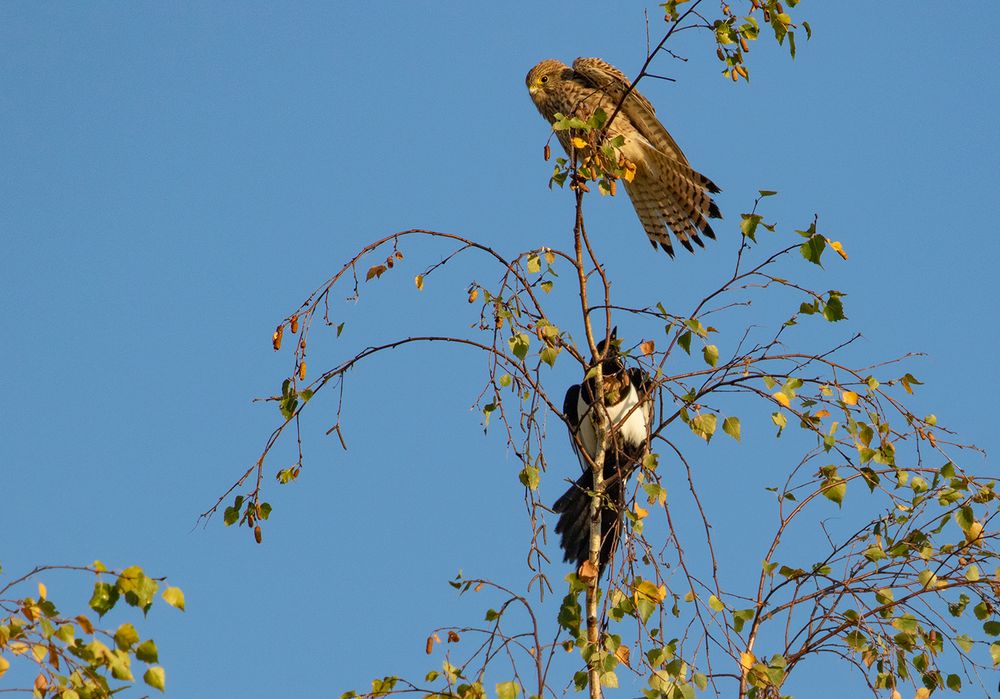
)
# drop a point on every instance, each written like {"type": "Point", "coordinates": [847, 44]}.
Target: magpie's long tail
{"type": "Point", "coordinates": [574, 515]}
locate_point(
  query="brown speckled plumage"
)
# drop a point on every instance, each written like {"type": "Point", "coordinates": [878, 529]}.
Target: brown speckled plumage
{"type": "Point", "coordinates": [667, 193]}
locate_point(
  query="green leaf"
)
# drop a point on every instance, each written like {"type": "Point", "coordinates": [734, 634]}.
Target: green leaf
{"type": "Point", "coordinates": [965, 517]}
{"type": "Point", "coordinates": [146, 652]}
{"type": "Point", "coordinates": [954, 683]}
{"type": "Point", "coordinates": [549, 354]}
{"type": "Point", "coordinates": [813, 248]}
{"type": "Point", "coordinates": [995, 653]}
{"type": "Point", "coordinates": [715, 603]}
{"type": "Point", "coordinates": [104, 598]}
{"type": "Point", "coordinates": [685, 341]}
{"type": "Point", "coordinates": [780, 420]}
{"type": "Point", "coordinates": [711, 355]}
{"type": "Point", "coordinates": [519, 345]}
{"type": "Point", "coordinates": [700, 681]}
{"type": "Point", "coordinates": [156, 678]}
{"type": "Point", "coordinates": [529, 477]}
{"type": "Point", "coordinates": [856, 641]}
{"type": "Point", "coordinates": [741, 617]}
{"type": "Point", "coordinates": [126, 636]}
{"type": "Point", "coordinates": [174, 596]}
{"type": "Point", "coordinates": [704, 425]}
{"type": "Point", "coordinates": [748, 225]}
{"type": "Point", "coordinates": [288, 404]}
{"type": "Point", "coordinates": [928, 579]}
{"type": "Point", "coordinates": [834, 309]}
{"type": "Point", "coordinates": [834, 489]}
{"type": "Point", "coordinates": [731, 426]}
{"type": "Point", "coordinates": [767, 192]}
{"type": "Point", "coordinates": [964, 642]}
{"type": "Point", "coordinates": [120, 664]}
{"type": "Point", "coordinates": [874, 553]}
{"type": "Point", "coordinates": [507, 690]}
{"type": "Point", "coordinates": [138, 589]}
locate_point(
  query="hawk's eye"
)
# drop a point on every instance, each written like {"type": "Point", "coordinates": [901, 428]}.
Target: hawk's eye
{"type": "Point", "coordinates": [545, 78]}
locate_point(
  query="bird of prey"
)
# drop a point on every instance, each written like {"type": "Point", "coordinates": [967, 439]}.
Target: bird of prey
{"type": "Point", "coordinates": [629, 405]}
{"type": "Point", "coordinates": [667, 193]}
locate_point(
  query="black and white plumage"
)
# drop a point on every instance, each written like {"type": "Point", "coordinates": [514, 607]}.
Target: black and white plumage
{"type": "Point", "coordinates": [629, 405]}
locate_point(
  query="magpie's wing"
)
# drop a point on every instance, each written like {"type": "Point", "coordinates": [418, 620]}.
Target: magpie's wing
{"type": "Point", "coordinates": [641, 380]}
{"type": "Point", "coordinates": [644, 385]}
{"type": "Point", "coordinates": [570, 410]}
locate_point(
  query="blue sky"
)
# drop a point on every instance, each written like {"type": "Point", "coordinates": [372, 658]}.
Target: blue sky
{"type": "Point", "coordinates": [178, 177]}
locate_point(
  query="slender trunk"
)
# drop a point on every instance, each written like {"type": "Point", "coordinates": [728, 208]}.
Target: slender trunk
{"type": "Point", "coordinates": [600, 418]}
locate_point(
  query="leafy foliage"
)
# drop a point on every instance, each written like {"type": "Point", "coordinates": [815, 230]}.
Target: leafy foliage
{"type": "Point", "coordinates": [73, 657]}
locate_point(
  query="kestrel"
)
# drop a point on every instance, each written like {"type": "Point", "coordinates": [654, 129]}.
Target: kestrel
{"type": "Point", "coordinates": [667, 193]}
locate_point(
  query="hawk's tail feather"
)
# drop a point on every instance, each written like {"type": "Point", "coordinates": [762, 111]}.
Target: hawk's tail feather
{"type": "Point", "coordinates": [670, 197]}
{"type": "Point", "coordinates": [709, 185]}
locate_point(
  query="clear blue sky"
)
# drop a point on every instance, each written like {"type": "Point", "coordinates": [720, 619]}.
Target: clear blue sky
{"type": "Point", "coordinates": [178, 176]}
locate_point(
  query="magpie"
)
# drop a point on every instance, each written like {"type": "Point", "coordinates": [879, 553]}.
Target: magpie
{"type": "Point", "coordinates": [629, 405]}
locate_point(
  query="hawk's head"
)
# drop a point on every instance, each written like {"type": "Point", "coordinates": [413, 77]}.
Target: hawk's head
{"type": "Point", "coordinates": [542, 78]}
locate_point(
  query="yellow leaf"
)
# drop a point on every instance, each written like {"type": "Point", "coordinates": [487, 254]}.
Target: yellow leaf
{"type": "Point", "coordinates": [4, 665]}
{"type": "Point", "coordinates": [922, 693]}
{"type": "Point", "coordinates": [587, 571]}
{"type": "Point", "coordinates": [622, 653]}
{"type": "Point", "coordinates": [747, 659]}
{"type": "Point", "coordinates": [42, 591]}
{"type": "Point", "coordinates": [641, 512]}
{"type": "Point", "coordinates": [579, 142]}
{"type": "Point", "coordinates": [629, 171]}
{"type": "Point", "coordinates": [822, 413]}
{"type": "Point", "coordinates": [39, 652]}
{"type": "Point", "coordinates": [647, 347]}
{"type": "Point", "coordinates": [174, 596]}
{"type": "Point", "coordinates": [896, 694]}
{"type": "Point", "coordinates": [84, 624]}
{"type": "Point", "coordinates": [781, 398]}
{"type": "Point", "coordinates": [975, 532]}
{"type": "Point", "coordinates": [650, 591]}
{"type": "Point", "coordinates": [837, 247]}
{"type": "Point", "coordinates": [419, 281]}
{"type": "Point", "coordinates": [849, 397]}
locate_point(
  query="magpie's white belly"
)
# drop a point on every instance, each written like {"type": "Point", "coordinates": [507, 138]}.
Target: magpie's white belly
{"type": "Point", "coordinates": [633, 431]}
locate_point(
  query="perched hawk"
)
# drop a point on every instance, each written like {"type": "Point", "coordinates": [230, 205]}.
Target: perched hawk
{"type": "Point", "coordinates": [667, 193]}
{"type": "Point", "coordinates": [630, 409]}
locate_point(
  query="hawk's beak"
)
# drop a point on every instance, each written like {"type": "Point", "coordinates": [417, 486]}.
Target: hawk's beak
{"type": "Point", "coordinates": [533, 89]}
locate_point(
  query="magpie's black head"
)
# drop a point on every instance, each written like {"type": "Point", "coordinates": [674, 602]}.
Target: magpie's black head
{"type": "Point", "coordinates": [612, 363]}
{"type": "Point", "coordinates": [616, 379]}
